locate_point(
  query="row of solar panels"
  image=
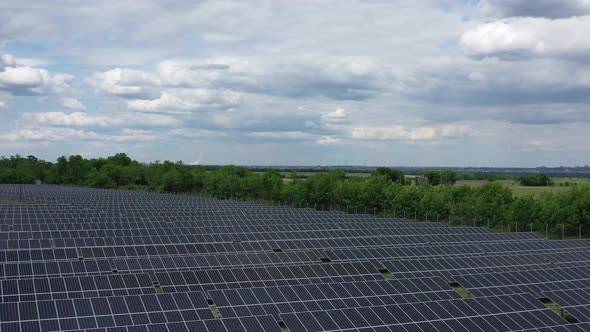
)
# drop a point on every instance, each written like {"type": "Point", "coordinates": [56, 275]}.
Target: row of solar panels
{"type": "Point", "coordinates": [261, 235]}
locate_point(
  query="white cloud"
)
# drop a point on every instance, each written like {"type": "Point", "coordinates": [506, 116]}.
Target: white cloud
{"type": "Point", "coordinates": [186, 100]}
{"type": "Point", "coordinates": [198, 72]}
{"type": "Point", "coordinates": [519, 37]}
{"type": "Point", "coordinates": [400, 133]}
{"type": "Point", "coordinates": [132, 135]}
{"type": "Point", "coordinates": [197, 133]}
{"type": "Point", "coordinates": [18, 79]}
{"type": "Point", "coordinates": [3, 106]}
{"type": "Point", "coordinates": [74, 104]}
{"type": "Point", "coordinates": [77, 119]}
{"type": "Point", "coordinates": [23, 76]}
{"type": "Point", "coordinates": [337, 116]}
{"type": "Point", "coordinates": [328, 140]}
{"type": "Point", "coordinates": [54, 134]}
{"type": "Point", "coordinates": [289, 135]}
{"type": "Point", "coordinates": [333, 76]}
{"type": "Point", "coordinates": [80, 119]}
{"type": "Point", "coordinates": [454, 130]}
{"type": "Point", "coordinates": [69, 134]}
{"type": "Point", "coordinates": [125, 83]}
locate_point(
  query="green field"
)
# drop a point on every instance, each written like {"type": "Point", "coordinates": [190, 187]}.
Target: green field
{"type": "Point", "coordinates": [309, 174]}
{"type": "Point", "coordinates": [561, 184]}
{"type": "Point", "coordinates": [13, 202]}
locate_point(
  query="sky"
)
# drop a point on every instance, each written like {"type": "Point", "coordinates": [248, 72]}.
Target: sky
{"type": "Point", "coordinates": [298, 82]}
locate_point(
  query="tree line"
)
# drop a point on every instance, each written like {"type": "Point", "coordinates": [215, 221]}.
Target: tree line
{"type": "Point", "coordinates": [385, 191]}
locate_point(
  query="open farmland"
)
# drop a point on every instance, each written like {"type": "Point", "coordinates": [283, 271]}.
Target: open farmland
{"type": "Point", "coordinates": [561, 185]}
{"type": "Point", "coordinates": [107, 260]}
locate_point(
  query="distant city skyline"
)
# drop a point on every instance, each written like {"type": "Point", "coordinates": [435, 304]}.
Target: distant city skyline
{"type": "Point", "coordinates": [498, 83]}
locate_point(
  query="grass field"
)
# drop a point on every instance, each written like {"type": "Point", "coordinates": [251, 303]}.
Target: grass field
{"type": "Point", "coordinates": [308, 174]}
{"type": "Point", "coordinates": [13, 202]}
{"type": "Point", "coordinates": [561, 184]}
{"type": "Point", "coordinates": [518, 190]}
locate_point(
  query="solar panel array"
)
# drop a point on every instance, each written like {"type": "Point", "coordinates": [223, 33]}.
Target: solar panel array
{"type": "Point", "coordinates": [79, 259]}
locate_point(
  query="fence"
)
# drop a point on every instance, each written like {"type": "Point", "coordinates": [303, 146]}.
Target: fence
{"type": "Point", "coordinates": [553, 232]}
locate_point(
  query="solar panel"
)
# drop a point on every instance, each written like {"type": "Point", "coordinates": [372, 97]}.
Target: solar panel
{"type": "Point", "coordinates": [81, 259]}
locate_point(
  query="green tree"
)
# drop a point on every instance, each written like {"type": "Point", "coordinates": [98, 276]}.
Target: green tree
{"type": "Point", "coordinates": [538, 180]}
{"type": "Point", "coordinates": [391, 174]}
{"type": "Point", "coordinates": [448, 177]}
{"type": "Point", "coordinates": [100, 179]}
{"type": "Point", "coordinates": [433, 177]}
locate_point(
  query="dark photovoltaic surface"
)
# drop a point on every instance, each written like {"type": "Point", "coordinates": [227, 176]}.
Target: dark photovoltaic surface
{"type": "Point", "coordinates": [78, 259]}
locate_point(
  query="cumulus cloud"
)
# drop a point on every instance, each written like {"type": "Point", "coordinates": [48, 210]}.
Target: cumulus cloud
{"type": "Point", "coordinates": [54, 134]}
{"type": "Point", "coordinates": [74, 104]}
{"type": "Point", "coordinates": [197, 72]}
{"type": "Point", "coordinates": [454, 130]}
{"type": "Point", "coordinates": [62, 134]}
{"type": "Point", "coordinates": [192, 133]}
{"type": "Point", "coordinates": [400, 133]}
{"type": "Point", "coordinates": [537, 8]}
{"type": "Point", "coordinates": [524, 37]}
{"type": "Point", "coordinates": [185, 101]}
{"type": "Point", "coordinates": [329, 140]}
{"type": "Point", "coordinates": [3, 106]}
{"type": "Point", "coordinates": [288, 135]}
{"type": "Point", "coordinates": [125, 83]}
{"type": "Point", "coordinates": [80, 119]}
{"type": "Point", "coordinates": [77, 119]}
{"type": "Point", "coordinates": [335, 77]}
{"type": "Point", "coordinates": [25, 80]}
{"type": "Point", "coordinates": [337, 116]}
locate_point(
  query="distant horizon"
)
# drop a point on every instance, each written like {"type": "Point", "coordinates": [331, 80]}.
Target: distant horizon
{"type": "Point", "coordinates": [310, 165]}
